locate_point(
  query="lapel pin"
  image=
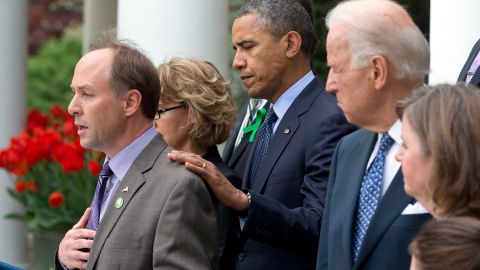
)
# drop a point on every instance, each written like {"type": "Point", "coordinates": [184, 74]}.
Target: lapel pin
{"type": "Point", "coordinates": [125, 189]}
{"type": "Point", "coordinates": [286, 131]}
{"type": "Point", "coordinates": [118, 202]}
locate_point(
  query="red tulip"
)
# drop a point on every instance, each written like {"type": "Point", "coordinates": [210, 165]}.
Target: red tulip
{"type": "Point", "coordinates": [31, 185]}
{"type": "Point", "coordinates": [70, 157]}
{"type": "Point", "coordinates": [72, 164]}
{"type": "Point", "coordinates": [20, 186]}
{"type": "Point", "coordinates": [56, 199]}
{"type": "Point", "coordinates": [59, 112]}
{"type": "Point", "coordinates": [36, 119]}
{"type": "Point", "coordinates": [94, 167]}
{"type": "Point", "coordinates": [69, 128]}
{"type": "Point", "coordinates": [47, 153]}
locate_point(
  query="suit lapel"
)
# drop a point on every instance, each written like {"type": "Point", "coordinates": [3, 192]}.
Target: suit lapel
{"type": "Point", "coordinates": [231, 154]}
{"type": "Point", "coordinates": [475, 81]}
{"type": "Point", "coordinates": [134, 179]}
{"type": "Point", "coordinates": [463, 74]}
{"type": "Point", "coordinates": [389, 208]}
{"type": "Point", "coordinates": [284, 133]}
{"type": "Point", "coordinates": [279, 142]}
{"type": "Point", "coordinates": [238, 151]}
{"type": "Point", "coordinates": [476, 77]}
{"type": "Point", "coordinates": [230, 144]}
{"type": "Point", "coordinates": [357, 164]}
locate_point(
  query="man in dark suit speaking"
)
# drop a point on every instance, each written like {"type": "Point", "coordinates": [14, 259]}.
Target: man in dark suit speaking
{"type": "Point", "coordinates": [286, 175]}
{"type": "Point", "coordinates": [147, 212]}
{"type": "Point", "coordinates": [376, 55]}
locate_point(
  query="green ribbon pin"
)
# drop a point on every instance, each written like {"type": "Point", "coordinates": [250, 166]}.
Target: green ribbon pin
{"type": "Point", "coordinates": [254, 127]}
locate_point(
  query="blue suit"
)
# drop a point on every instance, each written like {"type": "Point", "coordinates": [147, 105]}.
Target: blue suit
{"type": "Point", "coordinates": [389, 233]}
{"type": "Point", "coordinates": [228, 227]}
{"type": "Point", "coordinates": [287, 200]}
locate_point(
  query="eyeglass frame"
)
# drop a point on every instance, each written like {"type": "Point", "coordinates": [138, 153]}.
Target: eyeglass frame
{"type": "Point", "coordinates": [159, 113]}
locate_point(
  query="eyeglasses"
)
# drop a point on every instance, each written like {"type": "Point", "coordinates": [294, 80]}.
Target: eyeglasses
{"type": "Point", "coordinates": [162, 110]}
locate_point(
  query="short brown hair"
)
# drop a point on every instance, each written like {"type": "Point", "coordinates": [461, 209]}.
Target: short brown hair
{"type": "Point", "coordinates": [446, 118]}
{"type": "Point", "coordinates": [199, 86]}
{"type": "Point", "coordinates": [131, 69]}
{"type": "Point", "coordinates": [451, 243]}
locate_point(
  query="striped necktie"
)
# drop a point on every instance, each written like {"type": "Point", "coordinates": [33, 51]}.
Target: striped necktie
{"type": "Point", "coordinates": [94, 219]}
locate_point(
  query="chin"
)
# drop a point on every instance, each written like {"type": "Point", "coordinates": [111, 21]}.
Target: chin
{"type": "Point", "coordinates": [88, 144]}
{"type": "Point", "coordinates": [408, 190]}
{"type": "Point", "coordinates": [83, 143]}
{"type": "Point", "coordinates": [255, 92]}
{"type": "Point", "coordinates": [352, 120]}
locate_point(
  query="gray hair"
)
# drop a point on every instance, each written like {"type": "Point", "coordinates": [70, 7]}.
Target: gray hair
{"type": "Point", "coordinates": [375, 32]}
{"type": "Point", "coordinates": [278, 17]}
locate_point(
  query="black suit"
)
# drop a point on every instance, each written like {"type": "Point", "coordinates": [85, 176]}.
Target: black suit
{"type": "Point", "coordinates": [389, 233]}
{"type": "Point", "coordinates": [236, 157]}
{"type": "Point", "coordinates": [463, 74]}
{"type": "Point", "coordinates": [287, 200]}
{"type": "Point", "coordinates": [228, 223]}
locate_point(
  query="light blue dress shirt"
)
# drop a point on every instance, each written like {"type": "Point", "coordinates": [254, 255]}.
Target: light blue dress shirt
{"type": "Point", "coordinates": [122, 162]}
{"type": "Point", "coordinates": [284, 102]}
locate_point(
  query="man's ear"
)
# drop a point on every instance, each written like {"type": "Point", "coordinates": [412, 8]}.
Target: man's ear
{"type": "Point", "coordinates": [379, 71]}
{"type": "Point", "coordinates": [132, 101]}
{"type": "Point", "coordinates": [293, 43]}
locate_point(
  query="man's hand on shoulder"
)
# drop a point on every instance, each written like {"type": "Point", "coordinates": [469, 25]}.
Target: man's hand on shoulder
{"type": "Point", "coordinates": [69, 251]}
{"type": "Point", "coordinates": [225, 192]}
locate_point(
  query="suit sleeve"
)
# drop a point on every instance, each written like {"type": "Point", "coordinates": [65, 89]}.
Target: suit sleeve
{"type": "Point", "coordinates": [186, 235]}
{"type": "Point", "coordinates": [322, 256]}
{"type": "Point", "coordinates": [298, 229]}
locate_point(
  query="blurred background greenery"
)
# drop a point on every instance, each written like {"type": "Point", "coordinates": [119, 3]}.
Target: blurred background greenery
{"type": "Point", "coordinates": [55, 46]}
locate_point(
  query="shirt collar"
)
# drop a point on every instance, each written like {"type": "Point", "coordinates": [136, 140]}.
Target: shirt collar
{"type": "Point", "coordinates": [286, 99]}
{"type": "Point", "coordinates": [395, 132]}
{"type": "Point", "coordinates": [124, 159]}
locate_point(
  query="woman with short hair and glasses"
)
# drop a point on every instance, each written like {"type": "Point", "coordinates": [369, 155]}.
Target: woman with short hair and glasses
{"type": "Point", "coordinates": [196, 108]}
{"type": "Point", "coordinates": [195, 114]}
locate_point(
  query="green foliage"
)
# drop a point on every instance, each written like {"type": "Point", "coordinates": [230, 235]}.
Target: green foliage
{"type": "Point", "coordinates": [50, 71]}
{"type": "Point", "coordinates": [319, 63]}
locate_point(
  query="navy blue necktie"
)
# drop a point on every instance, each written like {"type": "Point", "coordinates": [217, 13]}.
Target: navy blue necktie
{"type": "Point", "coordinates": [370, 193]}
{"type": "Point", "coordinates": [264, 137]}
{"type": "Point", "coordinates": [94, 219]}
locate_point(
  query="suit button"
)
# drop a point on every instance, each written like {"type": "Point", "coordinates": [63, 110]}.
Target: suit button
{"type": "Point", "coordinates": [241, 256]}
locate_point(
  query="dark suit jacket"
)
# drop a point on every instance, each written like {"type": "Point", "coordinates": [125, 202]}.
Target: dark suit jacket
{"type": "Point", "coordinates": [463, 74]}
{"type": "Point", "coordinates": [385, 244]}
{"type": "Point", "coordinates": [167, 220]}
{"type": "Point", "coordinates": [287, 200]}
{"type": "Point", "coordinates": [236, 158]}
{"type": "Point", "coordinates": [228, 223]}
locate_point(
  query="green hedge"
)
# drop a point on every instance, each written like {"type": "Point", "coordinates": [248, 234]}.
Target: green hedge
{"type": "Point", "coordinates": [50, 71]}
